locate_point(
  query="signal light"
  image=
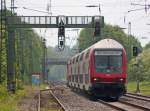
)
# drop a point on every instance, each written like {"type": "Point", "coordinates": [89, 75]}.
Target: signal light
{"type": "Point", "coordinates": [61, 31]}
{"type": "Point", "coordinates": [135, 51]}
{"type": "Point", "coordinates": [61, 43]}
{"type": "Point", "coordinates": [97, 28]}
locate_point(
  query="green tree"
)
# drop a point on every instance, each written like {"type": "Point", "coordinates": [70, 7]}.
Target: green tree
{"type": "Point", "coordinates": [36, 52]}
{"type": "Point", "coordinates": [86, 38]}
{"type": "Point", "coordinates": [147, 46]}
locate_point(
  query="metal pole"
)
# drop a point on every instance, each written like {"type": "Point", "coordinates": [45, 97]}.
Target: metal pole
{"type": "Point", "coordinates": [1, 39]}
{"type": "Point", "coordinates": [17, 58]}
{"type": "Point", "coordinates": [46, 64]}
{"type": "Point", "coordinates": [21, 42]}
{"type": "Point", "coordinates": [11, 82]}
{"type": "Point", "coordinates": [138, 74]}
{"type": "Point", "coordinates": [44, 61]}
{"type": "Point", "coordinates": [99, 9]}
{"type": "Point", "coordinates": [129, 41]}
{"type": "Point", "coordinates": [3, 65]}
{"type": "Point", "coordinates": [12, 7]}
{"type": "Point", "coordinates": [30, 58]}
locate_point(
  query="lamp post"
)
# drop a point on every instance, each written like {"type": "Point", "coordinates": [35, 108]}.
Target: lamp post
{"type": "Point", "coordinates": [129, 41]}
{"type": "Point", "coordinates": [44, 76]}
{"type": "Point", "coordinates": [137, 66]}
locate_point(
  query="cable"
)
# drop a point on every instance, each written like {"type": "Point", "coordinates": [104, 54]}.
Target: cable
{"type": "Point", "coordinates": [36, 10]}
{"type": "Point", "coordinates": [136, 10]}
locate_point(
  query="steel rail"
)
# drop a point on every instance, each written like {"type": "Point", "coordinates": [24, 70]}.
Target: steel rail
{"type": "Point", "coordinates": [57, 100]}
{"type": "Point", "coordinates": [62, 106]}
{"type": "Point", "coordinates": [139, 97]}
{"type": "Point", "coordinates": [134, 105]}
{"type": "Point", "coordinates": [39, 102]}
{"type": "Point", "coordinates": [111, 105]}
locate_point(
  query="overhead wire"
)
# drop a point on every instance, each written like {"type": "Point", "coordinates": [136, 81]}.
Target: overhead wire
{"type": "Point", "coordinates": [36, 10]}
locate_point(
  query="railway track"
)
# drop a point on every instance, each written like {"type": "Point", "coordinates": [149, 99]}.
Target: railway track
{"type": "Point", "coordinates": [62, 108]}
{"type": "Point", "coordinates": [137, 96]}
{"type": "Point", "coordinates": [76, 102]}
{"type": "Point", "coordinates": [126, 103]}
{"type": "Point", "coordinates": [123, 105]}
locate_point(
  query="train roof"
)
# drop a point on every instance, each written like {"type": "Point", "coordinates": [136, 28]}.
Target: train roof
{"type": "Point", "coordinates": [108, 43]}
{"type": "Point", "coordinates": [103, 44]}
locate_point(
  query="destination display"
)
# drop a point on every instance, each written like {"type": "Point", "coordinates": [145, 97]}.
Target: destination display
{"type": "Point", "coordinates": [108, 53]}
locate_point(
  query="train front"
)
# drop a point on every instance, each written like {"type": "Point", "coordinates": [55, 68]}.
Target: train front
{"type": "Point", "coordinates": [108, 74]}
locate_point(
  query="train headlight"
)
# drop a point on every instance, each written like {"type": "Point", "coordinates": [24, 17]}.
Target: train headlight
{"type": "Point", "coordinates": [96, 79]}
{"type": "Point", "coordinates": [121, 79]}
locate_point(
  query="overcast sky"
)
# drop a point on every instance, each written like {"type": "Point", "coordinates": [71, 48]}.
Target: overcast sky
{"type": "Point", "coordinates": [114, 11]}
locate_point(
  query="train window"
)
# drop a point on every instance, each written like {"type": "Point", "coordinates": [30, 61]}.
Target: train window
{"type": "Point", "coordinates": [71, 70]}
{"type": "Point", "coordinates": [72, 78]}
{"type": "Point", "coordinates": [107, 63]}
{"type": "Point", "coordinates": [81, 57]}
{"type": "Point", "coordinates": [87, 54]}
{"type": "Point", "coordinates": [86, 78]}
{"type": "Point", "coordinates": [77, 58]}
{"type": "Point", "coordinates": [71, 62]}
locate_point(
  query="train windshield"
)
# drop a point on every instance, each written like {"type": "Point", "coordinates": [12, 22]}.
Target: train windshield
{"type": "Point", "coordinates": [108, 61]}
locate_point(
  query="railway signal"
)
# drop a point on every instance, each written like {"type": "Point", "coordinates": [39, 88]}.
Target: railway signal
{"type": "Point", "coordinates": [61, 35]}
{"type": "Point", "coordinates": [61, 43]}
{"type": "Point", "coordinates": [98, 25]}
{"type": "Point", "coordinates": [61, 31]}
{"type": "Point", "coordinates": [97, 28]}
{"type": "Point", "coordinates": [135, 50]}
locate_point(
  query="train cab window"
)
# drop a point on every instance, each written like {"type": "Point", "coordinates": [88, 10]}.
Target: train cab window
{"type": "Point", "coordinates": [108, 61]}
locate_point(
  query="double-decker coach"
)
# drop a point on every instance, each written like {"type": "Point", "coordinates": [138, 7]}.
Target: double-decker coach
{"type": "Point", "coordinates": [99, 70]}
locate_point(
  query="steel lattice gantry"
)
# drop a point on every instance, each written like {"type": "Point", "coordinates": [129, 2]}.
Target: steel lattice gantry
{"type": "Point", "coordinates": [53, 21]}
{"type": "Point", "coordinates": [56, 61]}
{"type": "Point", "coordinates": [14, 22]}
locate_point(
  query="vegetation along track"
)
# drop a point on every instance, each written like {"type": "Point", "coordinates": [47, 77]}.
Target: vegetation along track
{"type": "Point", "coordinates": [49, 93]}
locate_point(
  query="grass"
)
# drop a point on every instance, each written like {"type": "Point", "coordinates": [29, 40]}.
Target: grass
{"type": "Point", "coordinates": [144, 87]}
{"type": "Point", "coordinates": [8, 101]}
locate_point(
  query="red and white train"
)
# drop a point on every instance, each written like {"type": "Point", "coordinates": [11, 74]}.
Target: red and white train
{"type": "Point", "coordinates": [99, 70]}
